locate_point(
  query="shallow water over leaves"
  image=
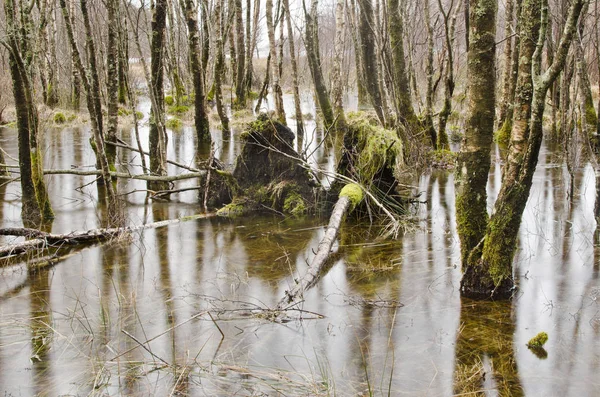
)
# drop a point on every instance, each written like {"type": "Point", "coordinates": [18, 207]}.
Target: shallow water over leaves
{"type": "Point", "coordinates": [180, 310]}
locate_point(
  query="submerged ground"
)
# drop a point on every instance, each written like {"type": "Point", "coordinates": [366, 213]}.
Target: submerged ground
{"type": "Point", "coordinates": [387, 319]}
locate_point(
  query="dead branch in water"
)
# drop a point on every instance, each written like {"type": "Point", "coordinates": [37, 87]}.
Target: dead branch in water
{"type": "Point", "coordinates": [350, 196]}
{"type": "Point", "coordinates": [40, 240]}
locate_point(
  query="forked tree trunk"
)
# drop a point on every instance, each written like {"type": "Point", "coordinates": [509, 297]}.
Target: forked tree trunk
{"type": "Point", "coordinates": [362, 94]}
{"type": "Point", "coordinates": [488, 272]}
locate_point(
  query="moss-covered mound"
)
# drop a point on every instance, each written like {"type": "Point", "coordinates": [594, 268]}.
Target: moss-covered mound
{"type": "Point", "coordinates": [222, 187]}
{"type": "Point", "coordinates": [269, 172]}
{"type": "Point", "coordinates": [372, 155]}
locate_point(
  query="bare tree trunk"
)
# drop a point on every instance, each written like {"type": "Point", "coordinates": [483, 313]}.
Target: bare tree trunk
{"type": "Point", "coordinates": [294, 64]}
{"type": "Point", "coordinates": [75, 79]}
{"type": "Point", "coordinates": [123, 61]}
{"type": "Point", "coordinates": [251, 43]}
{"type": "Point", "coordinates": [277, 92]}
{"type": "Point", "coordinates": [345, 203]}
{"type": "Point", "coordinates": [200, 116]}
{"type": "Point", "coordinates": [220, 65]}
{"type": "Point", "coordinates": [507, 68]}
{"type": "Point", "coordinates": [312, 54]}
{"type": "Point", "coordinates": [589, 116]}
{"type": "Point", "coordinates": [158, 134]}
{"type": "Point", "coordinates": [336, 73]}
{"type": "Point", "coordinates": [35, 202]}
{"type": "Point", "coordinates": [369, 56]}
{"type": "Point", "coordinates": [112, 81]}
{"type": "Point", "coordinates": [449, 36]}
{"type": "Point", "coordinates": [240, 83]}
{"type": "Point", "coordinates": [360, 78]}
{"type": "Point", "coordinates": [429, 73]}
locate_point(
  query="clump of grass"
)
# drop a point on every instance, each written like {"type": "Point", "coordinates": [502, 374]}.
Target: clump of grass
{"type": "Point", "coordinates": [169, 100]}
{"type": "Point", "coordinates": [124, 112]}
{"type": "Point", "coordinates": [180, 109]}
{"type": "Point", "coordinates": [59, 118]}
{"type": "Point", "coordinates": [174, 123]}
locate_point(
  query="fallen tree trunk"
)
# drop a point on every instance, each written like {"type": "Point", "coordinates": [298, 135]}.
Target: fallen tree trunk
{"type": "Point", "coordinates": [350, 196]}
{"type": "Point", "coordinates": [40, 240]}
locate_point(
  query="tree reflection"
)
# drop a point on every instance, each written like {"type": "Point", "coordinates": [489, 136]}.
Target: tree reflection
{"type": "Point", "coordinates": [485, 356]}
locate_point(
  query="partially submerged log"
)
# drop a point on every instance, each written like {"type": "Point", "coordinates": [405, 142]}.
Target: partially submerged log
{"type": "Point", "coordinates": [40, 240]}
{"type": "Point", "coordinates": [350, 196]}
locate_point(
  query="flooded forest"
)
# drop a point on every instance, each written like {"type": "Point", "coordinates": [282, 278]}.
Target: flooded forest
{"type": "Point", "coordinates": [299, 198]}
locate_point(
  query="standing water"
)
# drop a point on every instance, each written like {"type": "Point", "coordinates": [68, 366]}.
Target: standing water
{"type": "Point", "coordinates": [178, 310]}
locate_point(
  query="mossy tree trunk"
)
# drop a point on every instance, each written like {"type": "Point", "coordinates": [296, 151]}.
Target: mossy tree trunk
{"type": "Point", "coordinates": [294, 64]}
{"type": "Point", "coordinates": [200, 117]}
{"type": "Point", "coordinates": [75, 77]}
{"type": "Point", "coordinates": [474, 157]}
{"type": "Point", "coordinates": [158, 134]}
{"type": "Point", "coordinates": [488, 270]}
{"type": "Point", "coordinates": [275, 83]}
{"type": "Point", "coordinates": [35, 201]}
{"type": "Point", "coordinates": [312, 54]}
{"type": "Point", "coordinates": [369, 55]}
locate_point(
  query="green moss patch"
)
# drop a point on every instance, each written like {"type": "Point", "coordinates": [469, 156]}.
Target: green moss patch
{"type": "Point", "coordinates": [59, 118]}
{"type": "Point", "coordinates": [174, 123]}
{"type": "Point", "coordinates": [354, 192]}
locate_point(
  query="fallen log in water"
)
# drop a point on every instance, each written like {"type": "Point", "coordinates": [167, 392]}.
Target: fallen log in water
{"type": "Point", "coordinates": [40, 240]}
{"type": "Point", "coordinates": [350, 196]}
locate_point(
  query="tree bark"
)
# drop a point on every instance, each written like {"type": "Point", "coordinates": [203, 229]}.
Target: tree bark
{"type": "Point", "coordinates": [35, 201]}
{"type": "Point", "coordinates": [336, 72]}
{"type": "Point", "coordinates": [275, 83]}
{"type": "Point", "coordinates": [369, 55]}
{"type": "Point", "coordinates": [488, 273]}
{"type": "Point", "coordinates": [112, 83]}
{"type": "Point", "coordinates": [344, 204]}
{"type": "Point", "coordinates": [240, 83]}
{"type": "Point", "coordinates": [294, 64]}
{"type": "Point", "coordinates": [474, 157]}
{"type": "Point", "coordinates": [158, 134]}
{"type": "Point", "coordinates": [220, 65]}
{"type": "Point", "coordinates": [200, 117]}
{"type": "Point", "coordinates": [312, 55]}
{"type": "Point", "coordinates": [507, 64]}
